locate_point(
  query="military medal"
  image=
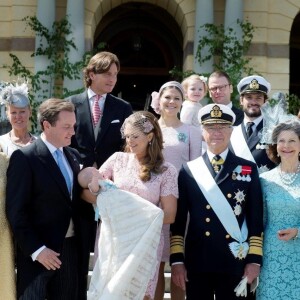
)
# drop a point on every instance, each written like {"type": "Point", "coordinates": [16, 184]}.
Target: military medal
{"type": "Point", "coordinates": [236, 173]}
{"type": "Point", "coordinates": [246, 171]}
{"type": "Point", "coordinates": [237, 210]}
{"type": "Point", "coordinates": [240, 253]}
{"type": "Point", "coordinates": [263, 169]}
{"type": "Point", "coordinates": [262, 146]}
{"type": "Point", "coordinates": [239, 196]}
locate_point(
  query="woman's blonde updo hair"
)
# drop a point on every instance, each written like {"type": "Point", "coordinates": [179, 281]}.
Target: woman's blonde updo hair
{"type": "Point", "coordinates": [146, 123]}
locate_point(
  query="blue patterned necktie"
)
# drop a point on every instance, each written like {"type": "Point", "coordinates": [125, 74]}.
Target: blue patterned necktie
{"type": "Point", "coordinates": [63, 168]}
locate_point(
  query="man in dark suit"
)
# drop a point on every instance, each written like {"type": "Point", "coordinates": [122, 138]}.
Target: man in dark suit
{"type": "Point", "coordinates": [99, 117]}
{"type": "Point", "coordinates": [45, 211]}
{"type": "Point", "coordinates": [245, 140]}
{"type": "Point", "coordinates": [97, 139]}
{"type": "Point", "coordinates": [220, 89]}
{"type": "Point", "coordinates": [222, 195]}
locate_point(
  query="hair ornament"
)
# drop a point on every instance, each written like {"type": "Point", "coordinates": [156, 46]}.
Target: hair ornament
{"type": "Point", "coordinates": [143, 124]}
{"type": "Point", "coordinates": [274, 111]}
{"type": "Point", "coordinates": [14, 94]}
{"type": "Point", "coordinates": [155, 103]}
{"type": "Point", "coordinates": [146, 124]}
{"type": "Point", "coordinates": [203, 79]}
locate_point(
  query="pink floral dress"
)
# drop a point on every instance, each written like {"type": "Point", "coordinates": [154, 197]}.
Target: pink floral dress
{"type": "Point", "coordinates": [123, 170]}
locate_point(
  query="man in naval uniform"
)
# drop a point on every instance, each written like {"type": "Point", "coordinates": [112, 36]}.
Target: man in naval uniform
{"type": "Point", "coordinates": [245, 139]}
{"type": "Point", "coordinates": [221, 193]}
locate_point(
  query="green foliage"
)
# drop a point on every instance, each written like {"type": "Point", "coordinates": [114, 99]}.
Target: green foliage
{"type": "Point", "coordinates": [293, 103]}
{"type": "Point", "coordinates": [227, 51]}
{"type": "Point", "coordinates": [55, 45]}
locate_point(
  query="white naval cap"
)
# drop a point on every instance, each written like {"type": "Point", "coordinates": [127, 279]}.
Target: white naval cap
{"type": "Point", "coordinates": [216, 113]}
{"type": "Point", "coordinates": [254, 84]}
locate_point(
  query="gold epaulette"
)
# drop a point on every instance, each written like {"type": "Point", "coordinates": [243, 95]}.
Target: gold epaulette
{"type": "Point", "coordinates": [177, 244]}
{"type": "Point", "coordinates": [255, 246]}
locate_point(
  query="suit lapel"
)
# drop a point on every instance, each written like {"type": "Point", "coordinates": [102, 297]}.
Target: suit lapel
{"type": "Point", "coordinates": [108, 113]}
{"type": "Point", "coordinates": [209, 166]}
{"type": "Point", "coordinates": [50, 164]}
{"type": "Point", "coordinates": [83, 113]}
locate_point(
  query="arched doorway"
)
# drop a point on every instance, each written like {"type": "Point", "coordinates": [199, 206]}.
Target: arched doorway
{"type": "Point", "coordinates": [294, 57]}
{"type": "Point", "coordinates": [147, 41]}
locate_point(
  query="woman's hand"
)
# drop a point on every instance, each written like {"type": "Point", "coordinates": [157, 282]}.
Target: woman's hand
{"type": "Point", "coordinates": [287, 234]}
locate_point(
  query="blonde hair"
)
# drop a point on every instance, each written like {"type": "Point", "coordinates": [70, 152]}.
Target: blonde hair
{"type": "Point", "coordinates": [195, 77]}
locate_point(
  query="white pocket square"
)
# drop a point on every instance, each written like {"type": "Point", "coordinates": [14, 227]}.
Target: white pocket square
{"type": "Point", "coordinates": [115, 121]}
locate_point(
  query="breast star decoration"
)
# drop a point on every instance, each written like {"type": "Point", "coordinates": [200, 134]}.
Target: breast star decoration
{"type": "Point", "coordinates": [239, 197]}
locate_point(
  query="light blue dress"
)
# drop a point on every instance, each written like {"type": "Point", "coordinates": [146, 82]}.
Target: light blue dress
{"type": "Point", "coordinates": [280, 273]}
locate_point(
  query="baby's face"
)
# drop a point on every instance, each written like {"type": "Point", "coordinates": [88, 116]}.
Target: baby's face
{"type": "Point", "coordinates": [195, 91]}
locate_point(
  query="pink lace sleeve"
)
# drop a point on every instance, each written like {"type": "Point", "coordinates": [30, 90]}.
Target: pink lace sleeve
{"type": "Point", "coordinates": [195, 142]}
{"type": "Point", "coordinates": [106, 170]}
{"type": "Point", "coordinates": [169, 185]}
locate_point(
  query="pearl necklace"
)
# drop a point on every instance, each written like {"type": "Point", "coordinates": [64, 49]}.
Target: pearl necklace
{"type": "Point", "coordinates": [288, 178]}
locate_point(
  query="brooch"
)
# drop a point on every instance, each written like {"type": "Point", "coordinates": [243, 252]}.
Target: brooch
{"type": "Point", "coordinates": [182, 137]}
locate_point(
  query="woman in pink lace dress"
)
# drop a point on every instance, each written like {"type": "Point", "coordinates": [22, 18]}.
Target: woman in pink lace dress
{"type": "Point", "coordinates": [182, 143]}
{"type": "Point", "coordinates": [141, 169]}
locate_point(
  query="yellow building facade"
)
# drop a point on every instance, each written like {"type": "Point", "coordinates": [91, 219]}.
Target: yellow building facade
{"type": "Point", "coordinates": [270, 50]}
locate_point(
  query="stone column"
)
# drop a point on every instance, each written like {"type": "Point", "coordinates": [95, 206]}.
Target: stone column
{"type": "Point", "coordinates": [75, 13]}
{"type": "Point", "coordinates": [234, 10]}
{"type": "Point", "coordinates": [44, 8]}
{"type": "Point", "coordinates": [204, 14]}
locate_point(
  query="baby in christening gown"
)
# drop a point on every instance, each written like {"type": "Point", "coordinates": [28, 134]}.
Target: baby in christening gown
{"type": "Point", "coordinates": [129, 239]}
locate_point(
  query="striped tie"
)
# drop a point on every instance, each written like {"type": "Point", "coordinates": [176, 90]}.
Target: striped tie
{"type": "Point", "coordinates": [96, 110]}
{"type": "Point", "coordinates": [249, 129]}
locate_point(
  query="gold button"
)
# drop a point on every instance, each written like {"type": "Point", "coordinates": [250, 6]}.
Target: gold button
{"type": "Point", "coordinates": [207, 220]}
{"type": "Point", "coordinates": [229, 195]}
{"type": "Point", "coordinates": [227, 236]}
{"type": "Point", "coordinates": [207, 233]}
{"type": "Point", "coordinates": [207, 206]}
